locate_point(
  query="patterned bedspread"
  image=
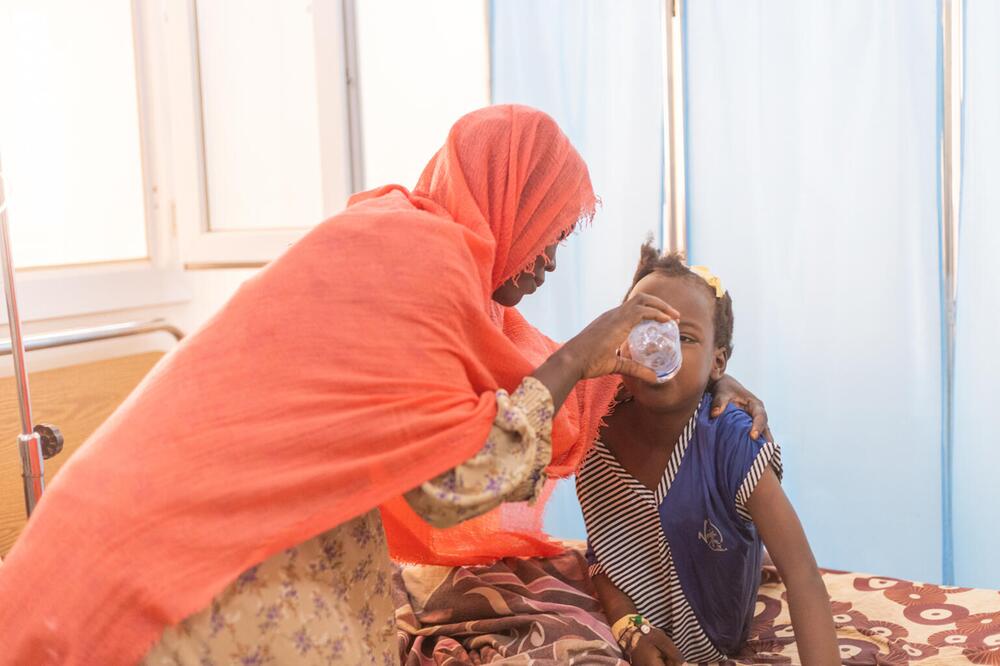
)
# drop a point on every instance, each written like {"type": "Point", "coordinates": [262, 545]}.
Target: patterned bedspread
{"type": "Point", "coordinates": [543, 612]}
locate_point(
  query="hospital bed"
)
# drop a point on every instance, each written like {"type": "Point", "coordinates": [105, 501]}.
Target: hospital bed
{"type": "Point", "coordinates": [544, 612]}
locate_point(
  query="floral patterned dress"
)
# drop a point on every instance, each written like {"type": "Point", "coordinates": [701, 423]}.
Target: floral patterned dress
{"type": "Point", "coordinates": [328, 600]}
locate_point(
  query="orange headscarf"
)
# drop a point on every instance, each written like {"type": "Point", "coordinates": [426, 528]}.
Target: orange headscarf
{"type": "Point", "coordinates": [359, 364]}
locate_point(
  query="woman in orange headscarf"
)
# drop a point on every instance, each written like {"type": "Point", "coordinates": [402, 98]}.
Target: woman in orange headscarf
{"type": "Point", "coordinates": [227, 512]}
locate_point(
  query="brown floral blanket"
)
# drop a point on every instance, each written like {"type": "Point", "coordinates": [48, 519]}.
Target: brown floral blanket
{"type": "Point", "coordinates": [543, 612]}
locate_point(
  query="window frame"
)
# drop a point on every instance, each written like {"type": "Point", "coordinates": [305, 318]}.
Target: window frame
{"type": "Point", "coordinates": [178, 232]}
{"type": "Point", "coordinates": [56, 291]}
{"type": "Point", "coordinates": [201, 247]}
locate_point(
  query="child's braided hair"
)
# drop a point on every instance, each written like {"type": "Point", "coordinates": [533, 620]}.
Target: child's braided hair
{"type": "Point", "coordinates": [673, 264]}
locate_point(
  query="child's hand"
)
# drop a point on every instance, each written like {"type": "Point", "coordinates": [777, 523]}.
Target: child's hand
{"type": "Point", "coordinates": [656, 648]}
{"type": "Point", "coordinates": [647, 654]}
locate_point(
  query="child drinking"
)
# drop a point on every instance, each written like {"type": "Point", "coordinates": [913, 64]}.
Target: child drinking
{"type": "Point", "coordinates": [678, 504]}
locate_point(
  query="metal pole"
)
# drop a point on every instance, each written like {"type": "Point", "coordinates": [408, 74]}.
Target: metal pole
{"type": "Point", "coordinates": [353, 96]}
{"type": "Point", "coordinates": [674, 172]}
{"type": "Point", "coordinates": [29, 442]}
{"type": "Point", "coordinates": [78, 336]}
{"type": "Point", "coordinates": [951, 190]}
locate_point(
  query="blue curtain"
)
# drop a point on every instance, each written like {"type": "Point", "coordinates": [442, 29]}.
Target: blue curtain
{"type": "Point", "coordinates": [812, 157]}
{"type": "Point", "coordinates": [595, 66]}
{"type": "Point", "coordinates": [976, 483]}
{"type": "Point", "coordinates": [813, 191]}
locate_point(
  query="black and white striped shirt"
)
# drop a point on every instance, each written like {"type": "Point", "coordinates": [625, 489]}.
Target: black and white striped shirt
{"type": "Point", "coordinates": [698, 507]}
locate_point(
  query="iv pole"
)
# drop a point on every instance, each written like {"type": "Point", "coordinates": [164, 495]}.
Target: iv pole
{"type": "Point", "coordinates": [35, 443]}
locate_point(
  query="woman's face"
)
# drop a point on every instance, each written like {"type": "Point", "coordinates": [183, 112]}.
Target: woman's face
{"type": "Point", "coordinates": [513, 290]}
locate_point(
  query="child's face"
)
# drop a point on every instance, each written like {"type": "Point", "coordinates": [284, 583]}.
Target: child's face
{"type": "Point", "coordinates": [701, 360]}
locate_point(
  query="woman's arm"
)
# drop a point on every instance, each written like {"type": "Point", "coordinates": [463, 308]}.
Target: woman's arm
{"type": "Point", "coordinates": [510, 466]}
{"type": "Point", "coordinates": [786, 542]}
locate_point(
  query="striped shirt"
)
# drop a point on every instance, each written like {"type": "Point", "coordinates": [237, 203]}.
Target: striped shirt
{"type": "Point", "coordinates": [687, 550]}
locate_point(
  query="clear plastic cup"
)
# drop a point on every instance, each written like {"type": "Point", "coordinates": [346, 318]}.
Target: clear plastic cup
{"type": "Point", "coordinates": [657, 345]}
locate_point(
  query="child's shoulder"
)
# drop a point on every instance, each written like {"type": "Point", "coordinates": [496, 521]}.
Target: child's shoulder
{"type": "Point", "coordinates": [738, 460]}
{"type": "Point", "coordinates": [728, 433]}
{"type": "Point", "coordinates": [732, 421]}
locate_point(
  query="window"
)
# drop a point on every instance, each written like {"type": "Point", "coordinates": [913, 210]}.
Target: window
{"type": "Point", "coordinates": [217, 132]}
{"type": "Point", "coordinates": [70, 139]}
{"type": "Point", "coordinates": [260, 113]}
{"type": "Point", "coordinates": [421, 66]}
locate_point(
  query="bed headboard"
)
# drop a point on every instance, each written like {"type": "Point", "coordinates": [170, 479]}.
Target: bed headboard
{"type": "Point", "coordinates": [75, 398]}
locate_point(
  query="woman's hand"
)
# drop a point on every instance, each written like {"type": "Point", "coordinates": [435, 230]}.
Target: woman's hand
{"type": "Point", "coordinates": [728, 390]}
{"type": "Point", "coordinates": [595, 347]}
{"type": "Point", "coordinates": [592, 353]}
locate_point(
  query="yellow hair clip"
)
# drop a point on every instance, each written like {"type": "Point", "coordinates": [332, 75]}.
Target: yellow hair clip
{"type": "Point", "coordinates": [713, 280]}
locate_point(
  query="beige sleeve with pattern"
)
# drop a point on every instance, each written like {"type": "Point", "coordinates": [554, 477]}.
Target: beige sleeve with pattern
{"type": "Point", "coordinates": [509, 468]}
